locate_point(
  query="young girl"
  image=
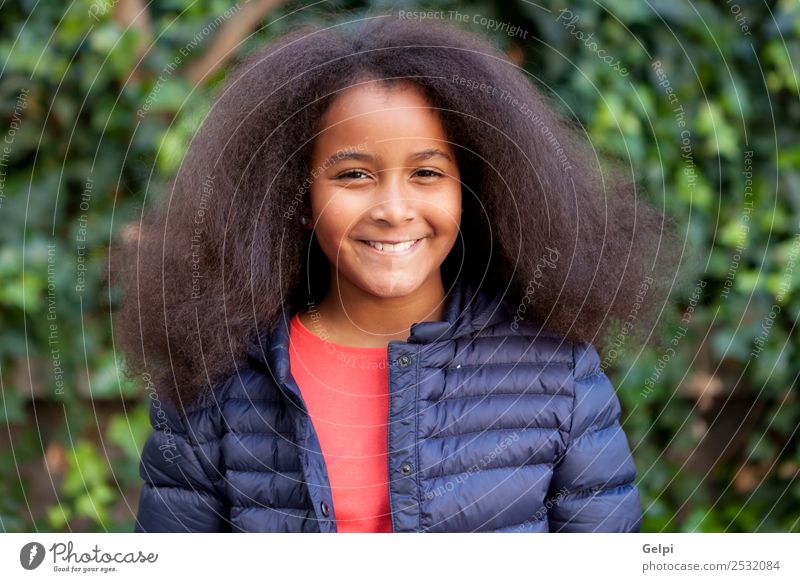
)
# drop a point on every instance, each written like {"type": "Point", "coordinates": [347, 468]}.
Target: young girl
{"type": "Point", "coordinates": [370, 300]}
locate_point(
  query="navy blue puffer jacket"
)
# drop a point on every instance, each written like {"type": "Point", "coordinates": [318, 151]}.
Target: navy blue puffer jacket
{"type": "Point", "coordinates": [490, 428]}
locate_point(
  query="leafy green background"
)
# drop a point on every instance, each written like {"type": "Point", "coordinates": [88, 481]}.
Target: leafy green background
{"type": "Point", "coordinates": [715, 435]}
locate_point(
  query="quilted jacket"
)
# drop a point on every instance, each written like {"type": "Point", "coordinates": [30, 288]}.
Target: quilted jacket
{"type": "Point", "coordinates": [492, 427]}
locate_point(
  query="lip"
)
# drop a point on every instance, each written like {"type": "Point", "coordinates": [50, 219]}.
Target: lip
{"type": "Point", "coordinates": [408, 251]}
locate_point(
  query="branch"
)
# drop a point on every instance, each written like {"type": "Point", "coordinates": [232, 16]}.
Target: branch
{"type": "Point", "coordinates": [230, 36]}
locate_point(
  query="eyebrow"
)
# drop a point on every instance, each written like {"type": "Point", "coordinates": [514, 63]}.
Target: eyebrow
{"type": "Point", "coordinates": [418, 156]}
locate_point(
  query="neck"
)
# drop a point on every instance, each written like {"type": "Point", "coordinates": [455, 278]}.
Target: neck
{"type": "Point", "coordinates": [350, 316]}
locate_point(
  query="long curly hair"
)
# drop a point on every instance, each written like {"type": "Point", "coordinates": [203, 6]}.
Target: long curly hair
{"type": "Point", "coordinates": [558, 228]}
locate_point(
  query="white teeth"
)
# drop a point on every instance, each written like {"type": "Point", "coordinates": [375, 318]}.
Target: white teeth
{"type": "Point", "coordinates": [391, 248]}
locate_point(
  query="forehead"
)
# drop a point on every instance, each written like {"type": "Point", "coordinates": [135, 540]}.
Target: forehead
{"type": "Point", "coordinates": [374, 113]}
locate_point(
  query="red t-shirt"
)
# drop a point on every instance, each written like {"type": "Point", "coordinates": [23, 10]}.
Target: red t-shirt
{"type": "Point", "coordinates": [346, 391]}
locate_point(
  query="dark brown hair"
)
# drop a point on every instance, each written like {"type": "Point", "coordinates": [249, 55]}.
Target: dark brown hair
{"type": "Point", "coordinates": [214, 263]}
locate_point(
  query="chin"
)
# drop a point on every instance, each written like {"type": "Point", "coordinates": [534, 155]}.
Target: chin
{"type": "Point", "coordinates": [387, 290]}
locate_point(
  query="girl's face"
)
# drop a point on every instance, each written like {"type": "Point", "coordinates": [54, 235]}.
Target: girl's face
{"type": "Point", "coordinates": [383, 172]}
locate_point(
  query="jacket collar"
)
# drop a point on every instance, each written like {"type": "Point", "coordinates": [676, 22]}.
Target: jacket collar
{"type": "Point", "coordinates": [468, 309]}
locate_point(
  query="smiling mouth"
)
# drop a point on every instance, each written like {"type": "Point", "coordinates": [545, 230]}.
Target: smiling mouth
{"type": "Point", "coordinates": [392, 249]}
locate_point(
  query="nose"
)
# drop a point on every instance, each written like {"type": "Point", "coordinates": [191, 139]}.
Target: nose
{"type": "Point", "coordinates": [392, 203]}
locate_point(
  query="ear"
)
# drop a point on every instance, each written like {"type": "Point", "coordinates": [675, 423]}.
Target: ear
{"type": "Point", "coordinates": [306, 211]}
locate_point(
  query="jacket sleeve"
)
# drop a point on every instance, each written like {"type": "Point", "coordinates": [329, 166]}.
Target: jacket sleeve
{"type": "Point", "coordinates": [183, 488]}
{"type": "Point", "coordinates": [592, 489]}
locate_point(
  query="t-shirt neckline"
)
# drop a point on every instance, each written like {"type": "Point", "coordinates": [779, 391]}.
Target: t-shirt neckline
{"type": "Point", "coordinates": [298, 326]}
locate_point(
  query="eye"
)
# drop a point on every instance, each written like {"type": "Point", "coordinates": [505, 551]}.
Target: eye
{"type": "Point", "coordinates": [352, 175]}
{"type": "Point", "coordinates": [426, 173]}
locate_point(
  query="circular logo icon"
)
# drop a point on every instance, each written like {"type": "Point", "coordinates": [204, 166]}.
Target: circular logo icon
{"type": "Point", "coordinates": [31, 555]}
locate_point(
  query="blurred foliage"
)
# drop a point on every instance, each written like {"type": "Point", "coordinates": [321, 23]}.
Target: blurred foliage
{"type": "Point", "coordinates": [94, 119]}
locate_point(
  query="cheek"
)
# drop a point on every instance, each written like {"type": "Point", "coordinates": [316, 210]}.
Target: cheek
{"type": "Point", "coordinates": [449, 213]}
{"type": "Point", "coordinates": [329, 232]}
{"type": "Point", "coordinates": [334, 219]}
